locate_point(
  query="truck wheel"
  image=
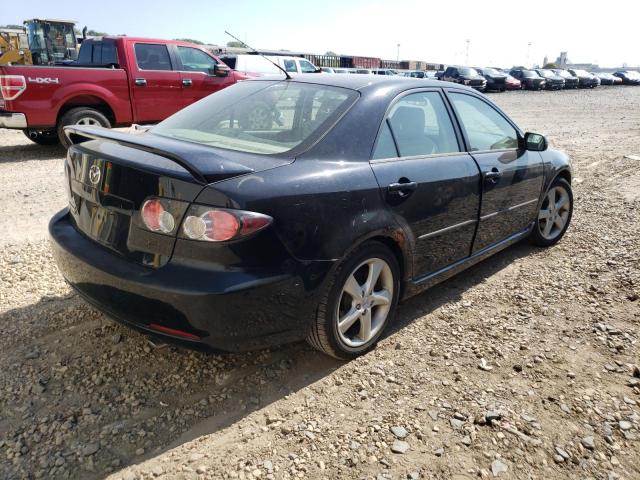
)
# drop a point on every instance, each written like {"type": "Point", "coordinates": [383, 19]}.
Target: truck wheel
{"type": "Point", "coordinates": [81, 116]}
{"type": "Point", "coordinates": [42, 137]}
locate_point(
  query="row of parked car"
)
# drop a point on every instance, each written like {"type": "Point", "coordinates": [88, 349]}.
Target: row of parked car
{"type": "Point", "coordinates": [535, 79]}
{"type": "Point", "coordinates": [499, 80]}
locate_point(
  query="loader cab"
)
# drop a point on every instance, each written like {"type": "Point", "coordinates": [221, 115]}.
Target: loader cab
{"type": "Point", "coordinates": [51, 41]}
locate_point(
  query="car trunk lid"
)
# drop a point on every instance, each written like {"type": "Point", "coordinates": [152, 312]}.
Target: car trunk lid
{"type": "Point", "coordinates": [111, 174]}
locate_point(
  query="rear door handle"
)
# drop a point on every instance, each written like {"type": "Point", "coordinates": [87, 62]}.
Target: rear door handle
{"type": "Point", "coordinates": [187, 82]}
{"type": "Point", "coordinates": [141, 82]}
{"type": "Point", "coordinates": [493, 175]}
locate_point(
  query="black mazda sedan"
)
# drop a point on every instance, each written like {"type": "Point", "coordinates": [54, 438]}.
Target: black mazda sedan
{"type": "Point", "coordinates": [279, 210]}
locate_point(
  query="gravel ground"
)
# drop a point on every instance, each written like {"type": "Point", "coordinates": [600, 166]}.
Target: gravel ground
{"type": "Point", "coordinates": [524, 366]}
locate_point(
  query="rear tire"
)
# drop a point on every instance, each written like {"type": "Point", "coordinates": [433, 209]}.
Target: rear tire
{"type": "Point", "coordinates": [42, 137]}
{"type": "Point", "coordinates": [348, 323]}
{"type": "Point", "coordinates": [81, 116]}
{"type": "Point", "coordinates": [554, 215]}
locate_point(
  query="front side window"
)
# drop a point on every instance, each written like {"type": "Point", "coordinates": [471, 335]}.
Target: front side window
{"type": "Point", "coordinates": [152, 56]}
{"type": "Point", "coordinates": [486, 129]}
{"type": "Point", "coordinates": [421, 125]}
{"type": "Point", "coordinates": [260, 117]}
{"type": "Point", "coordinates": [307, 67]}
{"type": "Point", "coordinates": [194, 60]}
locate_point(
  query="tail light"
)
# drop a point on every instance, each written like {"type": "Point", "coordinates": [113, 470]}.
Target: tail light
{"type": "Point", "coordinates": [219, 225]}
{"type": "Point", "coordinates": [156, 218]}
{"type": "Point", "coordinates": [12, 86]}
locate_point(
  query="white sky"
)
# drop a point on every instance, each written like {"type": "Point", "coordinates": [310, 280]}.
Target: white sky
{"type": "Point", "coordinates": [601, 32]}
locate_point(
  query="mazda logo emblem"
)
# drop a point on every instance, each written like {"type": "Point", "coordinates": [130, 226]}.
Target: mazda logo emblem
{"type": "Point", "coordinates": [94, 174]}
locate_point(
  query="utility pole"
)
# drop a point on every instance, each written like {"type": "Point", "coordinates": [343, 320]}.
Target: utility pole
{"type": "Point", "coordinates": [528, 54]}
{"type": "Point", "coordinates": [466, 55]}
{"type": "Point", "coordinates": [398, 54]}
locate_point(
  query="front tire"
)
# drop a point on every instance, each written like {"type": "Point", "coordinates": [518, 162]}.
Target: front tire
{"type": "Point", "coordinates": [554, 215]}
{"type": "Point", "coordinates": [81, 116]}
{"type": "Point", "coordinates": [358, 304]}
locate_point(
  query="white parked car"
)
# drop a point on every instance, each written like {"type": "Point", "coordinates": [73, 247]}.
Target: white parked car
{"type": "Point", "coordinates": [294, 64]}
{"type": "Point", "coordinates": [251, 64]}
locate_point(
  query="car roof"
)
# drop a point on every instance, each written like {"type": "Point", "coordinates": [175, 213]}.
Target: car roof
{"type": "Point", "coordinates": [364, 82]}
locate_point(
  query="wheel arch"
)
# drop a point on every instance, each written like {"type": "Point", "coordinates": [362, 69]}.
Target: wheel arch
{"type": "Point", "coordinates": [90, 101]}
{"type": "Point", "coordinates": [396, 242]}
{"type": "Point", "coordinates": [565, 173]}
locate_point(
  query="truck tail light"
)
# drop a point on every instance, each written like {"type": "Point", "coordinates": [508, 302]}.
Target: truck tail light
{"type": "Point", "coordinates": [12, 86]}
{"type": "Point", "coordinates": [219, 225]}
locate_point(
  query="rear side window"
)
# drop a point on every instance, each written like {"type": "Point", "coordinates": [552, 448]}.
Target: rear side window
{"type": "Point", "coordinates": [485, 127]}
{"type": "Point", "coordinates": [421, 125]}
{"type": "Point", "coordinates": [194, 60]}
{"type": "Point", "coordinates": [386, 147]}
{"type": "Point", "coordinates": [290, 66]}
{"type": "Point", "coordinates": [152, 56]}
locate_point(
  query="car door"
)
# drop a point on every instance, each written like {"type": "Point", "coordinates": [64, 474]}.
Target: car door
{"type": "Point", "coordinates": [431, 185]}
{"type": "Point", "coordinates": [157, 88]}
{"type": "Point", "coordinates": [512, 177]}
{"type": "Point", "coordinates": [198, 74]}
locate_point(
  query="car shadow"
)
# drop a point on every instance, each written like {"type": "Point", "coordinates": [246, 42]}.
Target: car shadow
{"type": "Point", "coordinates": [93, 367]}
{"type": "Point", "coordinates": [33, 151]}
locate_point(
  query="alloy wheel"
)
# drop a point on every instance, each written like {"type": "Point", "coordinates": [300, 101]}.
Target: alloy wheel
{"type": "Point", "coordinates": [88, 121]}
{"type": "Point", "coordinates": [554, 213]}
{"type": "Point", "coordinates": [365, 302]}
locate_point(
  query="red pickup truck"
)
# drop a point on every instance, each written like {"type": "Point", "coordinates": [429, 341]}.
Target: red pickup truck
{"type": "Point", "coordinates": [116, 81]}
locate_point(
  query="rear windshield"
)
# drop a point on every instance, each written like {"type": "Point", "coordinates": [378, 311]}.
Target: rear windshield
{"type": "Point", "coordinates": [264, 117]}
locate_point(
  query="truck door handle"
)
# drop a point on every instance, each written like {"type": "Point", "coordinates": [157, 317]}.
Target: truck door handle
{"type": "Point", "coordinates": [187, 82]}
{"type": "Point", "coordinates": [402, 189]}
{"type": "Point", "coordinates": [141, 82]}
{"type": "Point", "coordinates": [493, 175]}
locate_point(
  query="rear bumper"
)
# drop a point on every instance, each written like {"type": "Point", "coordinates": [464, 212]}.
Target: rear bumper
{"type": "Point", "coordinates": [13, 120]}
{"type": "Point", "coordinates": [222, 309]}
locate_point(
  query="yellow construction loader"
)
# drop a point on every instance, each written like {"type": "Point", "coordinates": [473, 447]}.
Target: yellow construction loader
{"type": "Point", "coordinates": [42, 42]}
{"type": "Point", "coordinates": [14, 47]}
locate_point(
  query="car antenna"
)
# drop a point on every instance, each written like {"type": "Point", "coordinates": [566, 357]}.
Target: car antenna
{"type": "Point", "coordinates": [286, 74]}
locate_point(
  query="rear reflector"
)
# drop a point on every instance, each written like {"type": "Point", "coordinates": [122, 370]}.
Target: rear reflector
{"type": "Point", "coordinates": [12, 86]}
{"type": "Point", "coordinates": [173, 331]}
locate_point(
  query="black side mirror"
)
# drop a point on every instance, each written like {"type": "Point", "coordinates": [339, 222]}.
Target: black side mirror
{"type": "Point", "coordinates": [535, 142]}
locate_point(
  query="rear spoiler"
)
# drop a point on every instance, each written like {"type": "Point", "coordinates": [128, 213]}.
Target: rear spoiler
{"type": "Point", "coordinates": [204, 165]}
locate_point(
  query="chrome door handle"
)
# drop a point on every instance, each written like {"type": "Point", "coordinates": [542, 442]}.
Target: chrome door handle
{"type": "Point", "coordinates": [141, 82]}
{"type": "Point", "coordinates": [187, 82]}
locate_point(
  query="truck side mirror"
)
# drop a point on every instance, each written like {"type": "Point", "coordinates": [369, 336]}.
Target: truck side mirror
{"type": "Point", "coordinates": [221, 70]}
